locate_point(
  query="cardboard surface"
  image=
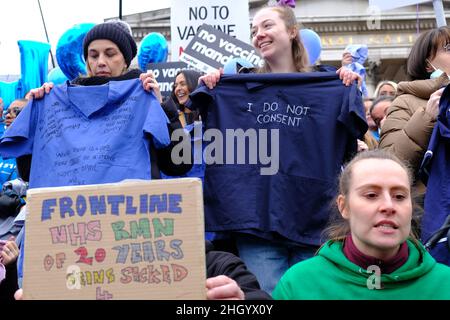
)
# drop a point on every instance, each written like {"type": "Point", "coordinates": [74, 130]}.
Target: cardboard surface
{"type": "Point", "coordinates": [130, 240]}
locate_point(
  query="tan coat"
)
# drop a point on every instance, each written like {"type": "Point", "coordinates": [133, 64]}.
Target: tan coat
{"type": "Point", "coordinates": [407, 128]}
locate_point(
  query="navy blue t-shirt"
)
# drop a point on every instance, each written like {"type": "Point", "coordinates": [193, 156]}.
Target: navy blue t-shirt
{"type": "Point", "coordinates": [82, 135]}
{"type": "Point", "coordinates": [319, 120]}
{"type": "Point", "coordinates": [436, 165]}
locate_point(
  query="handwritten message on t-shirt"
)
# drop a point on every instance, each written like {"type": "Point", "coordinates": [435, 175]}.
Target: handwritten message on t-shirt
{"type": "Point", "coordinates": [286, 114]}
{"type": "Point", "coordinates": [81, 135]}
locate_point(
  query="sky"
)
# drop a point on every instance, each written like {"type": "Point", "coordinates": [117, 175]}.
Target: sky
{"type": "Point", "coordinates": [21, 20]}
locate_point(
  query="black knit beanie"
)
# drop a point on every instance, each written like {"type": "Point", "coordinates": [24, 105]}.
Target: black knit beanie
{"type": "Point", "coordinates": [115, 31]}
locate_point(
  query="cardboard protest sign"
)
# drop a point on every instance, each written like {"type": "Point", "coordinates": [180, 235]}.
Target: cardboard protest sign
{"type": "Point", "coordinates": [211, 49]}
{"type": "Point", "coordinates": [130, 240]}
{"type": "Point", "coordinates": [165, 74]}
{"type": "Point", "coordinates": [230, 16]}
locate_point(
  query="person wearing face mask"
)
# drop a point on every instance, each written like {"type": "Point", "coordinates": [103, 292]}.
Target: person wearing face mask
{"type": "Point", "coordinates": [412, 115]}
{"type": "Point", "coordinates": [410, 119]}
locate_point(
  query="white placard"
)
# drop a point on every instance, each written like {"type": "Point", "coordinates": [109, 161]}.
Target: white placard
{"type": "Point", "coordinates": [229, 16]}
{"type": "Point", "coordinates": [389, 4]}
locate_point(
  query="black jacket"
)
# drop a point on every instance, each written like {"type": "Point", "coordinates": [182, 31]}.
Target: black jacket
{"type": "Point", "coordinates": [163, 156]}
{"type": "Point", "coordinates": [225, 263]}
{"type": "Point", "coordinates": [10, 284]}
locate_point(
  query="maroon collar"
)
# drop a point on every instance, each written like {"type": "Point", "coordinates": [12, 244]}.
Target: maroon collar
{"type": "Point", "coordinates": [364, 261]}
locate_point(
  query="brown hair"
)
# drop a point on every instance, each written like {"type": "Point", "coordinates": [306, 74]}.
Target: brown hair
{"type": "Point", "coordinates": [425, 48]}
{"type": "Point", "coordinates": [338, 227]}
{"type": "Point", "coordinates": [299, 53]}
{"type": "Point", "coordinates": [378, 100]}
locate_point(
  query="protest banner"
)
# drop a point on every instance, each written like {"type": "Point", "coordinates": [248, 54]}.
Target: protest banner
{"type": "Point", "coordinates": [211, 49]}
{"type": "Point", "coordinates": [131, 240]}
{"type": "Point", "coordinates": [165, 74]}
{"type": "Point", "coordinates": [229, 16]}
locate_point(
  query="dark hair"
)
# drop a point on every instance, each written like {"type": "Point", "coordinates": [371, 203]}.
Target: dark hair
{"type": "Point", "coordinates": [22, 102]}
{"type": "Point", "coordinates": [425, 48]}
{"type": "Point", "coordinates": [191, 77]}
{"type": "Point", "coordinates": [380, 99]}
{"type": "Point", "coordinates": [338, 227]}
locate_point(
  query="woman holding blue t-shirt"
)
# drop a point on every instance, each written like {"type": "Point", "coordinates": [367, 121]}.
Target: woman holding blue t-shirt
{"type": "Point", "coordinates": [275, 35]}
{"type": "Point", "coordinates": [108, 50]}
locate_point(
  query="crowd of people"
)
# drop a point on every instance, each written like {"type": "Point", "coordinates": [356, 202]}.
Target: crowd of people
{"type": "Point", "coordinates": [362, 240]}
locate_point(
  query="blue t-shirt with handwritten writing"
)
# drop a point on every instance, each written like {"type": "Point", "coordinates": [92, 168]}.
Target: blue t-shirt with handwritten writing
{"type": "Point", "coordinates": [318, 121]}
{"type": "Point", "coordinates": [82, 135]}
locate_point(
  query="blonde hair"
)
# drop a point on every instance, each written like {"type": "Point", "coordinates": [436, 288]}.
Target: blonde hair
{"type": "Point", "coordinates": [299, 53]}
{"type": "Point", "coordinates": [370, 140]}
{"type": "Point", "coordinates": [382, 83]}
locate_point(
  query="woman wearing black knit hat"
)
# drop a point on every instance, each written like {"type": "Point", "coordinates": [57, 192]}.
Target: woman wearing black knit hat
{"type": "Point", "coordinates": [108, 49]}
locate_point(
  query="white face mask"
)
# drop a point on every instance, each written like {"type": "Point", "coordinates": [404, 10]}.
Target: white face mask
{"type": "Point", "coordinates": [436, 73]}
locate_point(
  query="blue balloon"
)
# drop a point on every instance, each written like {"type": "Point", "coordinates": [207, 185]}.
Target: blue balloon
{"type": "Point", "coordinates": [57, 76]}
{"type": "Point", "coordinates": [33, 64]}
{"type": "Point", "coordinates": [152, 49]}
{"type": "Point", "coordinates": [10, 91]}
{"type": "Point", "coordinates": [233, 65]}
{"type": "Point", "coordinates": [312, 43]}
{"type": "Point", "coordinates": [33, 70]}
{"type": "Point", "coordinates": [69, 50]}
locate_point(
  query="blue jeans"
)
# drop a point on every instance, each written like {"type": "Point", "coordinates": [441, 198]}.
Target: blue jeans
{"type": "Point", "coordinates": [269, 260]}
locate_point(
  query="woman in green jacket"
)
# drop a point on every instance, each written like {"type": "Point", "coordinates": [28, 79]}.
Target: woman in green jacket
{"type": "Point", "coordinates": [372, 253]}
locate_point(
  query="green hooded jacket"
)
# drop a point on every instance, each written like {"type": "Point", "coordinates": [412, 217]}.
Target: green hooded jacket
{"type": "Point", "coordinates": [331, 276]}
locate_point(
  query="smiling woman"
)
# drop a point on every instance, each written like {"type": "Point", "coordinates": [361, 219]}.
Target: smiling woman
{"type": "Point", "coordinates": [266, 250]}
{"type": "Point", "coordinates": [371, 245]}
{"type": "Point", "coordinates": [184, 84]}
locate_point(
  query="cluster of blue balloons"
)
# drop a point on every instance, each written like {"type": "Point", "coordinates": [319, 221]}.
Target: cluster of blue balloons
{"type": "Point", "coordinates": [69, 53]}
